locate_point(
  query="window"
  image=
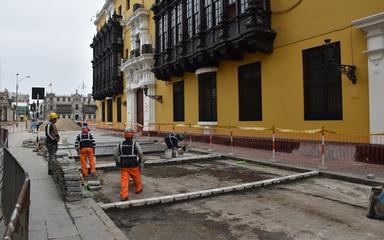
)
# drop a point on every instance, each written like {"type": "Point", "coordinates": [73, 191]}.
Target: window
{"type": "Point", "coordinates": [173, 27]}
{"type": "Point", "coordinates": [119, 11]}
{"type": "Point", "coordinates": [118, 102]}
{"type": "Point", "coordinates": [250, 100]}
{"type": "Point", "coordinates": [189, 18]}
{"type": "Point", "coordinates": [161, 34]}
{"type": "Point", "coordinates": [165, 32]}
{"type": "Point", "coordinates": [128, 5]}
{"type": "Point", "coordinates": [63, 116]}
{"type": "Point", "coordinates": [243, 5]}
{"type": "Point", "coordinates": [178, 101]}
{"type": "Point", "coordinates": [109, 110]}
{"type": "Point", "coordinates": [218, 4]}
{"type": "Point", "coordinates": [179, 23]}
{"type": "Point", "coordinates": [77, 106]}
{"type": "Point", "coordinates": [207, 14]}
{"type": "Point", "coordinates": [322, 85]}
{"type": "Point", "coordinates": [207, 97]}
{"type": "Point", "coordinates": [103, 111]}
{"type": "Point", "coordinates": [196, 15]}
{"type": "Point", "coordinates": [231, 9]}
{"type": "Point", "coordinates": [51, 108]}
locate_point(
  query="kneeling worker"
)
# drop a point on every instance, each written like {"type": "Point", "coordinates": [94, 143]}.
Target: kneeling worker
{"type": "Point", "coordinates": [128, 155]}
{"type": "Point", "coordinates": [172, 141]}
{"type": "Point", "coordinates": [85, 147]}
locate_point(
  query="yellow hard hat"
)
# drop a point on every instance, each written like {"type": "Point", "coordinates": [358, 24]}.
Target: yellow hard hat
{"type": "Point", "coordinates": [53, 115]}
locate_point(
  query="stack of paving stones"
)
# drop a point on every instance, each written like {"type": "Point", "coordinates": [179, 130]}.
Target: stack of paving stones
{"type": "Point", "coordinates": [67, 177]}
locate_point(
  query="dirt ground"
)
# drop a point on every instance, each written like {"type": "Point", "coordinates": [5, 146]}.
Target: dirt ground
{"type": "Point", "coordinates": [160, 180]}
{"type": "Point", "coordinates": [315, 208]}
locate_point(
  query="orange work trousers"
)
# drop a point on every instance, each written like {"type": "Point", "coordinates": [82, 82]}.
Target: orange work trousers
{"type": "Point", "coordinates": [134, 172]}
{"type": "Point", "coordinates": [84, 154]}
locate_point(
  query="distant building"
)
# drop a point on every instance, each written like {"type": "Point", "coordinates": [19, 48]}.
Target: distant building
{"type": "Point", "coordinates": [6, 111]}
{"type": "Point", "coordinates": [75, 106]}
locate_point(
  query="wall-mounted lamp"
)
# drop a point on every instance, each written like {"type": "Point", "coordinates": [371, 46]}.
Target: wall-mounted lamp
{"type": "Point", "coordinates": [158, 98]}
{"type": "Point", "coordinates": [348, 70]}
{"type": "Point", "coordinates": [124, 103]}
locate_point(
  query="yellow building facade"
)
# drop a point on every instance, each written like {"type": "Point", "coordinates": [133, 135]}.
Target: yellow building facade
{"type": "Point", "coordinates": [300, 27]}
{"type": "Point", "coordinates": [292, 92]}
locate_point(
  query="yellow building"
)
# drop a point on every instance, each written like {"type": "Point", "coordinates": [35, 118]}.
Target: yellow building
{"type": "Point", "coordinates": [123, 60]}
{"type": "Point", "coordinates": [258, 63]}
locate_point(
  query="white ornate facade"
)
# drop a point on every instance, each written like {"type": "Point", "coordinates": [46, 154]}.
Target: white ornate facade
{"type": "Point", "coordinates": [373, 27]}
{"type": "Point", "coordinates": [137, 68]}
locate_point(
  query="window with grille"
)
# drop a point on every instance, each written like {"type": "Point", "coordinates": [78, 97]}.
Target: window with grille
{"type": "Point", "coordinates": [173, 27]}
{"type": "Point", "coordinates": [118, 102]}
{"type": "Point", "coordinates": [231, 9]}
{"type": "Point", "coordinates": [161, 34]}
{"type": "Point", "coordinates": [179, 22]}
{"type": "Point", "coordinates": [208, 14]}
{"type": "Point", "coordinates": [196, 15]}
{"type": "Point", "coordinates": [109, 110]}
{"type": "Point", "coordinates": [250, 99]}
{"type": "Point", "coordinates": [207, 97]}
{"type": "Point", "coordinates": [189, 18]}
{"type": "Point", "coordinates": [243, 5]}
{"type": "Point", "coordinates": [103, 111]}
{"type": "Point", "coordinates": [165, 31]}
{"type": "Point", "coordinates": [178, 101]}
{"type": "Point", "coordinates": [218, 5]}
{"type": "Point", "coordinates": [322, 84]}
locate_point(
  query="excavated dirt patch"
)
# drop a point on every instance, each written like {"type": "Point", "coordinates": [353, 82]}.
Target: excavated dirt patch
{"type": "Point", "coordinates": [172, 178]}
{"type": "Point", "coordinates": [315, 208]}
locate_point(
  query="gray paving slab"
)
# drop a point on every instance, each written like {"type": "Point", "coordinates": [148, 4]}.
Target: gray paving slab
{"type": "Point", "coordinates": [38, 235]}
{"type": "Point", "coordinates": [50, 217]}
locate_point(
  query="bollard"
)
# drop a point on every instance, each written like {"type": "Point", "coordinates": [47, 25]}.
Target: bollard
{"type": "Point", "coordinates": [273, 145]}
{"type": "Point", "coordinates": [323, 167]}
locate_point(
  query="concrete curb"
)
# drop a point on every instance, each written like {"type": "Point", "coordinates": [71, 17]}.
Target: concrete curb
{"type": "Point", "coordinates": [110, 225]}
{"type": "Point", "coordinates": [205, 193]}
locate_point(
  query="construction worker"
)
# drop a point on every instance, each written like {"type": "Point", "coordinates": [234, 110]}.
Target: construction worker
{"type": "Point", "coordinates": [85, 147]}
{"type": "Point", "coordinates": [128, 155]}
{"type": "Point", "coordinates": [172, 141]}
{"type": "Point", "coordinates": [51, 140]}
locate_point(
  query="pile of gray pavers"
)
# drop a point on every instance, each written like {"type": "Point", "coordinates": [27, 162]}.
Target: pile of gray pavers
{"type": "Point", "coordinates": [67, 176]}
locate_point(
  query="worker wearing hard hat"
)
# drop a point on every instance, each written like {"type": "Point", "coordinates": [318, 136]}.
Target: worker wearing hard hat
{"type": "Point", "coordinates": [128, 155]}
{"type": "Point", "coordinates": [51, 140]}
{"type": "Point", "coordinates": [172, 141]}
{"type": "Point", "coordinates": [85, 147]}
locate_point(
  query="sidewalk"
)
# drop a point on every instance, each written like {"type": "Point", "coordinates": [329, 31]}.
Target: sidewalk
{"type": "Point", "coordinates": [50, 217]}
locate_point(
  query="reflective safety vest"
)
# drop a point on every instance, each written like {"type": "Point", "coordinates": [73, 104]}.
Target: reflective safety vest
{"type": "Point", "coordinates": [171, 141]}
{"type": "Point", "coordinates": [85, 140]}
{"type": "Point", "coordinates": [128, 154]}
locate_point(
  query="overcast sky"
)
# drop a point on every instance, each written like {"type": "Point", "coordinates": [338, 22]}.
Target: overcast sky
{"type": "Point", "coordinates": [48, 40]}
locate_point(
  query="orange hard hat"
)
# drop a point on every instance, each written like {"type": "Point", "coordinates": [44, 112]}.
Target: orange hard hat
{"type": "Point", "coordinates": [129, 133]}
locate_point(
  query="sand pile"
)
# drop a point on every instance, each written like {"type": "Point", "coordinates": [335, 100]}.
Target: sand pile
{"type": "Point", "coordinates": [63, 125]}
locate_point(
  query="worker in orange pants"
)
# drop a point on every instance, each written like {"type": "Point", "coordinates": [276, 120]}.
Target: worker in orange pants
{"type": "Point", "coordinates": [127, 155]}
{"type": "Point", "coordinates": [85, 146]}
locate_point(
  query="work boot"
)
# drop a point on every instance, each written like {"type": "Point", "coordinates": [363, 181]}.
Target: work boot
{"type": "Point", "coordinates": [139, 191]}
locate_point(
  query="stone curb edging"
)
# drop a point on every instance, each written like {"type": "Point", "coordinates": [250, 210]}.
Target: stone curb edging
{"type": "Point", "coordinates": [111, 226]}
{"type": "Point", "coordinates": [173, 160]}
{"type": "Point", "coordinates": [205, 193]}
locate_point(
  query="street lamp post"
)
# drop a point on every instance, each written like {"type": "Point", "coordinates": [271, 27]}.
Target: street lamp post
{"type": "Point", "coordinates": [17, 90]}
